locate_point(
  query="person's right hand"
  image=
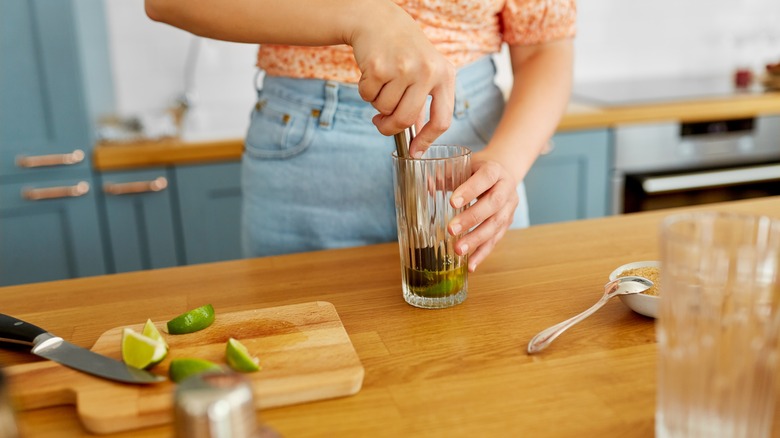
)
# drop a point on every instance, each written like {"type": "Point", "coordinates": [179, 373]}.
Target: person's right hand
{"type": "Point", "coordinates": [400, 69]}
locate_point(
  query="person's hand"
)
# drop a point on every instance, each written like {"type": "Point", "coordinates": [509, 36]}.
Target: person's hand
{"type": "Point", "coordinates": [400, 69]}
{"type": "Point", "coordinates": [495, 192]}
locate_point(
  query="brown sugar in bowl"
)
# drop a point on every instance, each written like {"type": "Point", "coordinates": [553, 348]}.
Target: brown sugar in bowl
{"type": "Point", "coordinates": [645, 303]}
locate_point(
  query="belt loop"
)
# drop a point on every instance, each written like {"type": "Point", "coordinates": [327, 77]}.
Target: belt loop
{"type": "Point", "coordinates": [331, 103]}
{"type": "Point", "coordinates": [461, 103]}
{"type": "Point", "coordinates": [259, 74]}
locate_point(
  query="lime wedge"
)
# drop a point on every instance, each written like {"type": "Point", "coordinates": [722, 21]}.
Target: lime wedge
{"type": "Point", "coordinates": [192, 321]}
{"type": "Point", "coordinates": [141, 351]}
{"type": "Point", "coordinates": [150, 331]}
{"type": "Point", "coordinates": [182, 368]}
{"type": "Point", "coordinates": [238, 357]}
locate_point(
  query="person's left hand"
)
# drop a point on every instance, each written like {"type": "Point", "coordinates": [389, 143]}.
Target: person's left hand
{"type": "Point", "coordinates": [495, 192]}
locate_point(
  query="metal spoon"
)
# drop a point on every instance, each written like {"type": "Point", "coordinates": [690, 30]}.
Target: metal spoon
{"type": "Point", "coordinates": [620, 286]}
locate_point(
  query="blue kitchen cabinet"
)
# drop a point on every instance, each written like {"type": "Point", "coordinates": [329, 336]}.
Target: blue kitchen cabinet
{"type": "Point", "coordinates": [50, 231]}
{"type": "Point", "coordinates": [141, 227]}
{"type": "Point", "coordinates": [209, 199]}
{"type": "Point", "coordinates": [54, 82]}
{"type": "Point", "coordinates": [572, 181]}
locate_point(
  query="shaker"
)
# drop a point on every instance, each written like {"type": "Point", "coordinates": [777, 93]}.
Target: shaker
{"type": "Point", "coordinates": [217, 405]}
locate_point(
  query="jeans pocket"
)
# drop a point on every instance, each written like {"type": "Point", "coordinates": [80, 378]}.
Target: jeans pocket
{"type": "Point", "coordinates": [278, 130]}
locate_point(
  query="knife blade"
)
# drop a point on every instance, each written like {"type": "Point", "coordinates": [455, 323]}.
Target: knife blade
{"type": "Point", "coordinates": [49, 346]}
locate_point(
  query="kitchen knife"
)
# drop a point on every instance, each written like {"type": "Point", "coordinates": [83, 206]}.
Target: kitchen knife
{"type": "Point", "coordinates": [54, 348]}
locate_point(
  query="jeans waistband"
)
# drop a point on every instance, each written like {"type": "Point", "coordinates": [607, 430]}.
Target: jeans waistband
{"type": "Point", "coordinates": [327, 95]}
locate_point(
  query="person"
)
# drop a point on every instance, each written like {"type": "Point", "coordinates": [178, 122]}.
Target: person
{"type": "Point", "coordinates": [342, 77]}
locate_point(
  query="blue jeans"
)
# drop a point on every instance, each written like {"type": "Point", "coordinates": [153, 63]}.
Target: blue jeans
{"type": "Point", "coordinates": [317, 174]}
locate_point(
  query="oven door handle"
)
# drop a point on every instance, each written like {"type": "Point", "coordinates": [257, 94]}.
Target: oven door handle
{"type": "Point", "coordinates": [709, 179]}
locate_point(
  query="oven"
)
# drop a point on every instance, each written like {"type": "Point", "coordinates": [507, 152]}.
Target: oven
{"type": "Point", "coordinates": [672, 164]}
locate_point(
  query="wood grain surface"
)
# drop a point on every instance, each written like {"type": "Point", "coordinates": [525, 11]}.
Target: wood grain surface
{"type": "Point", "coordinates": [458, 372]}
{"type": "Point", "coordinates": [305, 355]}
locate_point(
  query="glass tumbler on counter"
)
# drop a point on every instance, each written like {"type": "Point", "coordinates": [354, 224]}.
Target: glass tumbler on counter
{"type": "Point", "coordinates": [433, 275]}
{"type": "Point", "coordinates": [718, 325]}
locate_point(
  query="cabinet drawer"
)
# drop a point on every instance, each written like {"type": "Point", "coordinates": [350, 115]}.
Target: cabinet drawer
{"type": "Point", "coordinates": [140, 221]}
{"type": "Point", "coordinates": [572, 181]}
{"type": "Point", "coordinates": [49, 231]}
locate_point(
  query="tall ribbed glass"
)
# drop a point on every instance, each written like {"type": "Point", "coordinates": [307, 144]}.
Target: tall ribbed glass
{"type": "Point", "coordinates": [433, 275]}
{"type": "Point", "coordinates": [718, 325]}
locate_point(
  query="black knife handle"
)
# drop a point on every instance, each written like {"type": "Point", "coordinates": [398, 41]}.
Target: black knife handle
{"type": "Point", "coordinates": [17, 331]}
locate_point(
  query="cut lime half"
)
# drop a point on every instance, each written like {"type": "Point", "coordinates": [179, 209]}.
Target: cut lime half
{"type": "Point", "coordinates": [192, 321]}
{"type": "Point", "coordinates": [150, 331]}
{"type": "Point", "coordinates": [141, 351]}
{"type": "Point", "coordinates": [182, 368]}
{"type": "Point", "coordinates": [239, 358]}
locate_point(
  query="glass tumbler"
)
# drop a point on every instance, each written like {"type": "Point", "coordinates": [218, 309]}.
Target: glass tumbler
{"type": "Point", "coordinates": [718, 325]}
{"type": "Point", "coordinates": [433, 275]}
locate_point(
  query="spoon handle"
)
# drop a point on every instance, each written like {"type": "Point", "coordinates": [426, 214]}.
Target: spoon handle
{"type": "Point", "coordinates": [546, 336]}
{"type": "Point", "coordinates": [619, 286]}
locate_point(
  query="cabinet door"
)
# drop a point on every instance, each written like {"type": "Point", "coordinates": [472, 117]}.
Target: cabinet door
{"type": "Point", "coordinates": [210, 205]}
{"type": "Point", "coordinates": [571, 182]}
{"type": "Point", "coordinates": [49, 239]}
{"type": "Point", "coordinates": [24, 128]}
{"type": "Point", "coordinates": [54, 83]}
{"type": "Point", "coordinates": [140, 220]}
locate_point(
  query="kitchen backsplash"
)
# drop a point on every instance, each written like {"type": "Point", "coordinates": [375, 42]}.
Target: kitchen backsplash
{"type": "Point", "coordinates": [616, 39]}
{"type": "Point", "coordinates": [628, 38]}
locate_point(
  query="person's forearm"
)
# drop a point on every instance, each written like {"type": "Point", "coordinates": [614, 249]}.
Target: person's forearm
{"type": "Point", "coordinates": [400, 68]}
{"type": "Point", "coordinates": [540, 93]}
{"type": "Point", "coordinates": [293, 22]}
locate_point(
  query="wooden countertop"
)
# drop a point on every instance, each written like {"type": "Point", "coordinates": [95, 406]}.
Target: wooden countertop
{"type": "Point", "coordinates": [578, 117]}
{"type": "Point", "coordinates": [455, 372]}
{"type": "Point", "coordinates": [748, 105]}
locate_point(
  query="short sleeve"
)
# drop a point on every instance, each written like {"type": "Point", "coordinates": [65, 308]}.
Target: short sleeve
{"type": "Point", "coordinates": [537, 21]}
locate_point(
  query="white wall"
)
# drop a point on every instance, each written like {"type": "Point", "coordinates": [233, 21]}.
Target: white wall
{"type": "Point", "coordinates": [616, 39]}
{"type": "Point", "coordinates": [635, 38]}
{"type": "Point", "coordinates": [148, 64]}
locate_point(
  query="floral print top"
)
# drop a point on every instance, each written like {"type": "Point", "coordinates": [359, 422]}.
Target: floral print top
{"type": "Point", "coordinates": [462, 30]}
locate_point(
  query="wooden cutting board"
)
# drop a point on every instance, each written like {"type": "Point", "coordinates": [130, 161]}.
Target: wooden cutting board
{"type": "Point", "coordinates": [304, 352]}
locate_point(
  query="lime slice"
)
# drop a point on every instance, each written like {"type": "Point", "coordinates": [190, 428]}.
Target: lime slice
{"type": "Point", "coordinates": [192, 321]}
{"type": "Point", "coordinates": [182, 368]}
{"type": "Point", "coordinates": [150, 331]}
{"type": "Point", "coordinates": [141, 351]}
{"type": "Point", "coordinates": [238, 357]}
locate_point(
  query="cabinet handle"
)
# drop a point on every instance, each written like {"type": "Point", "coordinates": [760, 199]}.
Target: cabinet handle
{"type": "Point", "coordinates": [127, 188]}
{"type": "Point", "coordinates": [74, 157]}
{"type": "Point", "coordinates": [80, 189]}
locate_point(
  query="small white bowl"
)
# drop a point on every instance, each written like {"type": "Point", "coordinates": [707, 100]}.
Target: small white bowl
{"type": "Point", "coordinates": [642, 304]}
